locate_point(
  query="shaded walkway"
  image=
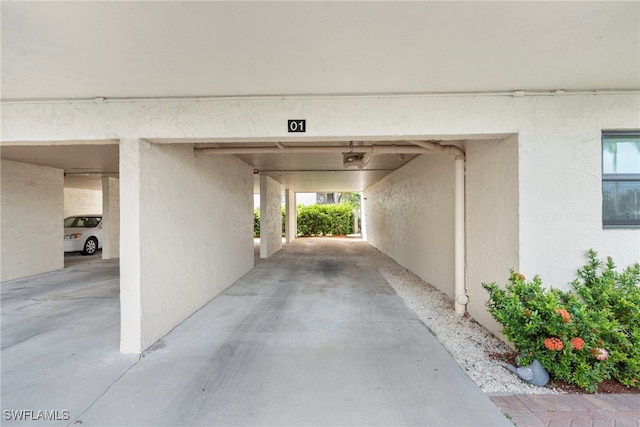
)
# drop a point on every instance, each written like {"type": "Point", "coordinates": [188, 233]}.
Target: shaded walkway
{"type": "Point", "coordinates": [312, 336]}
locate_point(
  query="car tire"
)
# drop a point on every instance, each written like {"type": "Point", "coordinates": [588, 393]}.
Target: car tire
{"type": "Point", "coordinates": [90, 246]}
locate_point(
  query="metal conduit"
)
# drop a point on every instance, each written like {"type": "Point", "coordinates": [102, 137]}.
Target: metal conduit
{"type": "Point", "coordinates": [371, 149]}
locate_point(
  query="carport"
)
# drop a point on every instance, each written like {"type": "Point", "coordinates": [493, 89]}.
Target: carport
{"type": "Point", "coordinates": [413, 193]}
{"type": "Point", "coordinates": [383, 75]}
{"type": "Point", "coordinates": [413, 204]}
{"type": "Point", "coordinates": [39, 180]}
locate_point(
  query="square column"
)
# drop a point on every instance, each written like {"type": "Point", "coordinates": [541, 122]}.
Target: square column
{"type": "Point", "coordinates": [110, 217]}
{"type": "Point", "coordinates": [291, 226]}
{"type": "Point", "coordinates": [130, 303]}
{"type": "Point", "coordinates": [363, 223]}
{"type": "Point", "coordinates": [270, 217]}
{"type": "Point", "coordinates": [169, 195]}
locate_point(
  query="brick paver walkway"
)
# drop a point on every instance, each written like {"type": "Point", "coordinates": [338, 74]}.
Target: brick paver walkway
{"type": "Point", "coordinates": [574, 410]}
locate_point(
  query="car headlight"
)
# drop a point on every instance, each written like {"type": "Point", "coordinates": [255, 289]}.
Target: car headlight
{"type": "Point", "coordinates": [72, 236]}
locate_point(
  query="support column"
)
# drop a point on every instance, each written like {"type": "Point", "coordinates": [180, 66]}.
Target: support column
{"type": "Point", "coordinates": [110, 218]}
{"type": "Point", "coordinates": [130, 303]}
{"type": "Point", "coordinates": [363, 224]}
{"type": "Point", "coordinates": [270, 217]}
{"type": "Point", "coordinates": [291, 229]}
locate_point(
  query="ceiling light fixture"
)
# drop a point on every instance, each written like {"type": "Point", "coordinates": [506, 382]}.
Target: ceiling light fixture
{"type": "Point", "coordinates": [353, 160]}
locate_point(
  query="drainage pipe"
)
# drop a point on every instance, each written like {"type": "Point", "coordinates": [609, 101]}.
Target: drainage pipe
{"type": "Point", "coordinates": [461, 298]}
{"type": "Point", "coordinates": [436, 147]}
{"type": "Point", "coordinates": [374, 150]}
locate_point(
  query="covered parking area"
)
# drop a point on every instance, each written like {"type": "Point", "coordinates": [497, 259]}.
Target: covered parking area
{"type": "Point", "coordinates": [172, 191]}
{"type": "Point", "coordinates": [185, 216]}
{"type": "Point", "coordinates": [42, 183]}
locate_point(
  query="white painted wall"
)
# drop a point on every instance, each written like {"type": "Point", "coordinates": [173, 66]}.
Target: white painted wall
{"type": "Point", "coordinates": [270, 216]}
{"type": "Point", "coordinates": [195, 232]}
{"type": "Point", "coordinates": [492, 243]}
{"type": "Point", "coordinates": [560, 193]}
{"type": "Point", "coordinates": [79, 201]}
{"type": "Point", "coordinates": [291, 216]}
{"type": "Point", "coordinates": [131, 329]}
{"type": "Point", "coordinates": [111, 217]}
{"type": "Point", "coordinates": [31, 217]}
{"type": "Point", "coordinates": [409, 216]}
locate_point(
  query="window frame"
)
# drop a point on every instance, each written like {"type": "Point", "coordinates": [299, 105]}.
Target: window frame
{"type": "Point", "coordinates": [616, 177]}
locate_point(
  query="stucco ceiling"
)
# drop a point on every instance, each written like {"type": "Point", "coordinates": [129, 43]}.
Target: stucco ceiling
{"type": "Point", "coordinates": [83, 165]}
{"type": "Point", "coordinates": [142, 49]}
{"type": "Point", "coordinates": [322, 172]}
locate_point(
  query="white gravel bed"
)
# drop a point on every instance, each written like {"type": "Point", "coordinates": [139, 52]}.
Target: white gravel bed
{"type": "Point", "coordinates": [467, 341]}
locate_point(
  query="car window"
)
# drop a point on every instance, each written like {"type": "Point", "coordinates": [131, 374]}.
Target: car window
{"type": "Point", "coordinates": [92, 222]}
{"type": "Point", "coordinates": [82, 221]}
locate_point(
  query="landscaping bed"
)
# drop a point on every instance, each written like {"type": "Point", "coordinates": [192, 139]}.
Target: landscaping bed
{"type": "Point", "coordinates": [484, 357]}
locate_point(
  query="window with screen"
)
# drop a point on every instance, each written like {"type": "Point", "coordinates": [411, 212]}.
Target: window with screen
{"type": "Point", "coordinates": [621, 179]}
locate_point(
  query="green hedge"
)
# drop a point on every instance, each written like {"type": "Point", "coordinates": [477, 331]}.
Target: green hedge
{"type": "Point", "coordinates": [256, 222]}
{"type": "Point", "coordinates": [325, 220]}
{"type": "Point", "coordinates": [316, 220]}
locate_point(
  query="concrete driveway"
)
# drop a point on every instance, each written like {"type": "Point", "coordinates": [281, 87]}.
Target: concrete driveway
{"type": "Point", "coordinates": [312, 336]}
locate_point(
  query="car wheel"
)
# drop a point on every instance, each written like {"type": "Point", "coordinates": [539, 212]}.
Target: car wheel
{"type": "Point", "coordinates": [90, 246]}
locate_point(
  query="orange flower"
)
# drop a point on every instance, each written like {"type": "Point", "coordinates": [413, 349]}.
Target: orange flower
{"type": "Point", "coordinates": [527, 312]}
{"type": "Point", "coordinates": [554, 344]}
{"type": "Point", "coordinates": [577, 343]}
{"type": "Point", "coordinates": [566, 317]}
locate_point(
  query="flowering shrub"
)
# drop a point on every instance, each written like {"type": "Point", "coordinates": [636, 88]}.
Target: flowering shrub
{"type": "Point", "coordinates": [577, 343]}
{"type": "Point", "coordinates": [600, 353]}
{"type": "Point", "coordinates": [553, 344]}
{"type": "Point", "coordinates": [615, 301]}
{"type": "Point", "coordinates": [566, 317]}
{"type": "Point", "coordinates": [580, 337]}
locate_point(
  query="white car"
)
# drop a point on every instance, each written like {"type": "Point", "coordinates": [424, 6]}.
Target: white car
{"type": "Point", "coordinates": [83, 233]}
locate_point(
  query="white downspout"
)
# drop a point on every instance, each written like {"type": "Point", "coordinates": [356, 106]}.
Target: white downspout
{"type": "Point", "coordinates": [461, 298]}
{"type": "Point", "coordinates": [373, 150]}
{"type": "Point", "coordinates": [460, 294]}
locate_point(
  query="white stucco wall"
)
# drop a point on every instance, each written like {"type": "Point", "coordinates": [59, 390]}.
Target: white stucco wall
{"type": "Point", "coordinates": [111, 217]}
{"type": "Point", "coordinates": [492, 217]}
{"type": "Point", "coordinates": [195, 232]}
{"type": "Point", "coordinates": [560, 193]}
{"type": "Point", "coordinates": [31, 217]}
{"type": "Point", "coordinates": [131, 329]}
{"type": "Point", "coordinates": [270, 216]}
{"type": "Point", "coordinates": [79, 201]}
{"type": "Point", "coordinates": [291, 216]}
{"type": "Point", "coordinates": [409, 216]}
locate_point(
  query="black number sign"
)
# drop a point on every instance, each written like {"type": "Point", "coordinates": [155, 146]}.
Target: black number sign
{"type": "Point", "coordinates": [297, 125]}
